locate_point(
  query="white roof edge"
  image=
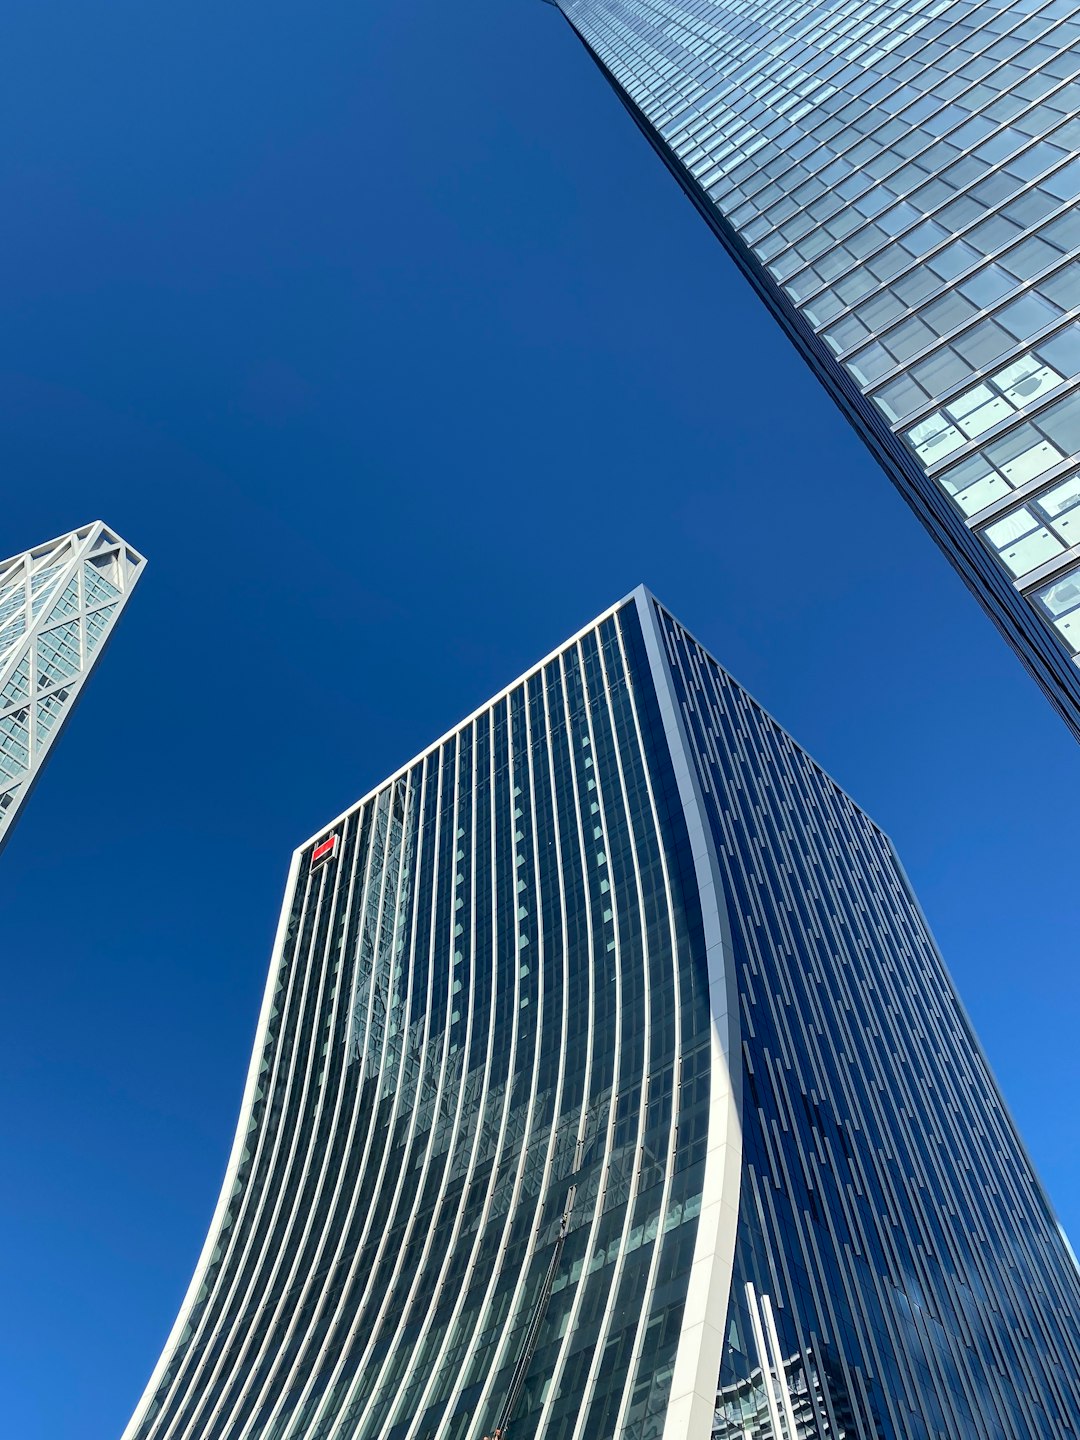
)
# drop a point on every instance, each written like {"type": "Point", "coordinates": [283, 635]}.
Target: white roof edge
{"type": "Point", "coordinates": [644, 592]}
{"type": "Point", "coordinates": [640, 594]}
{"type": "Point", "coordinates": [80, 534]}
{"type": "Point", "coordinates": [468, 719]}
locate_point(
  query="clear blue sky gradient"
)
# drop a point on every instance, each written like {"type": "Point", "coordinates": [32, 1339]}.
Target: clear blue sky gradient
{"type": "Point", "coordinates": [384, 335]}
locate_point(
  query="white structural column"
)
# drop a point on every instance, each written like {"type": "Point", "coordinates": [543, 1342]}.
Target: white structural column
{"type": "Point", "coordinates": [697, 1365]}
{"type": "Point", "coordinates": [58, 605]}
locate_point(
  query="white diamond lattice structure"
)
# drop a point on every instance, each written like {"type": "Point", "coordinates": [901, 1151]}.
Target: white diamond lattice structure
{"type": "Point", "coordinates": [58, 605]}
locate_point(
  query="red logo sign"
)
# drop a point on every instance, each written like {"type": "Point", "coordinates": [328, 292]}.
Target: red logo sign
{"type": "Point", "coordinates": [326, 851]}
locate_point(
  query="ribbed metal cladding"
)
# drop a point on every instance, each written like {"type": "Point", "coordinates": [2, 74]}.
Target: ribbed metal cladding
{"type": "Point", "coordinates": [492, 992]}
{"type": "Point", "coordinates": [616, 938]}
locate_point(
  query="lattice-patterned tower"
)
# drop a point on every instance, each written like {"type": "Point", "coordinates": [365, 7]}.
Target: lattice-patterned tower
{"type": "Point", "coordinates": [58, 605]}
{"type": "Point", "coordinates": [609, 1086]}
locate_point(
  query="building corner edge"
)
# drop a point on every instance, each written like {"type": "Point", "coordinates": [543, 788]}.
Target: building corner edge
{"type": "Point", "coordinates": [233, 1165]}
{"type": "Point", "coordinates": [694, 1382]}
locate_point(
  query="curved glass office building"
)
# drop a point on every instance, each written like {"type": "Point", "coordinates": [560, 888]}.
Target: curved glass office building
{"type": "Point", "coordinates": [900, 181]}
{"type": "Point", "coordinates": [608, 1084]}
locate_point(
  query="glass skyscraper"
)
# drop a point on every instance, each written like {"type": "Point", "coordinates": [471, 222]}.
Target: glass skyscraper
{"type": "Point", "coordinates": [58, 605]}
{"type": "Point", "coordinates": [899, 181]}
{"type": "Point", "coordinates": [608, 1083]}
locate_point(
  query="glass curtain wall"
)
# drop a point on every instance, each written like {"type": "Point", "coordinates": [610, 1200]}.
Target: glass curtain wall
{"type": "Point", "coordinates": [900, 181]}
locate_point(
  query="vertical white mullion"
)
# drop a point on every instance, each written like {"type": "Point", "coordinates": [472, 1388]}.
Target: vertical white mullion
{"type": "Point", "coordinates": [418, 1183]}
{"type": "Point", "coordinates": [238, 1249]}
{"type": "Point", "coordinates": [493, 920]}
{"type": "Point", "coordinates": [586, 1094]}
{"type": "Point", "coordinates": [372, 1045]}
{"type": "Point", "coordinates": [300, 1300]}
{"type": "Point", "coordinates": [557, 824]}
{"type": "Point", "coordinates": [692, 1394]}
{"type": "Point", "coordinates": [339, 1318]}
{"type": "Point", "coordinates": [287, 1196]}
{"type": "Point", "coordinates": [294, 1245]}
{"type": "Point", "coordinates": [373, 836]}
{"type": "Point", "coordinates": [781, 1373]}
{"type": "Point", "coordinates": [867, 1102]}
{"type": "Point", "coordinates": [27, 644]}
{"type": "Point", "coordinates": [673, 942]}
{"type": "Point", "coordinates": [565, 1006]}
{"type": "Point", "coordinates": [326, 1409]}
{"type": "Point", "coordinates": [266, 1198]}
{"type": "Point", "coordinates": [435, 1362]}
{"type": "Point", "coordinates": [374, 910]}
{"type": "Point", "coordinates": [80, 614]}
{"type": "Point", "coordinates": [31, 650]}
{"type": "Point", "coordinates": [458, 1109]}
{"type": "Point", "coordinates": [214, 1232]}
{"type": "Point", "coordinates": [764, 1360]}
{"type": "Point", "coordinates": [519, 1287]}
{"type": "Point", "coordinates": [620, 1259]}
{"type": "Point", "coordinates": [514, 1036]}
{"type": "Point", "coordinates": [590, 932]}
{"type": "Point", "coordinates": [616, 1066]}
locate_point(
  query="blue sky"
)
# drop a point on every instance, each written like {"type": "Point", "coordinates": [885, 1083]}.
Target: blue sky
{"type": "Point", "coordinates": [384, 335]}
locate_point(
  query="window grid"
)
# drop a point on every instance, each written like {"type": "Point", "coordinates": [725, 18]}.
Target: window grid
{"type": "Point", "coordinates": [937, 143]}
